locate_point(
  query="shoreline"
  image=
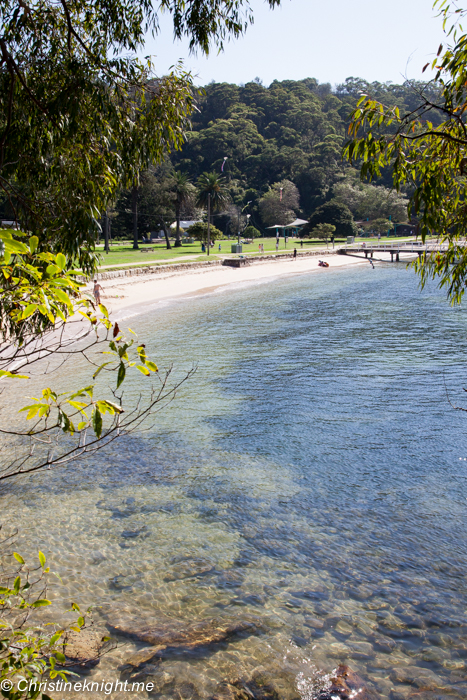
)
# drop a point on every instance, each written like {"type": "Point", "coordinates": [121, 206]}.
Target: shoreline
{"type": "Point", "coordinates": [135, 293]}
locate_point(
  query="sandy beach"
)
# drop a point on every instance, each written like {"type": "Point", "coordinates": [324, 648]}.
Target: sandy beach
{"type": "Point", "coordinates": [124, 296]}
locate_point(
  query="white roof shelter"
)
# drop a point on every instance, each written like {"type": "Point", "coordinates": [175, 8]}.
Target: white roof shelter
{"type": "Point", "coordinates": [296, 223]}
{"type": "Point", "coordinates": [184, 224]}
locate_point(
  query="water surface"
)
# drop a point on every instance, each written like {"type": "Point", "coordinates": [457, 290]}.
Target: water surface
{"type": "Point", "coordinates": [310, 476]}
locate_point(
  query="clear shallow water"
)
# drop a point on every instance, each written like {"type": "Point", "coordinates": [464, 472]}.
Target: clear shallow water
{"type": "Point", "coordinates": [311, 476]}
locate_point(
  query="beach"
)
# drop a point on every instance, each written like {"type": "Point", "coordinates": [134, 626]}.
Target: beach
{"type": "Point", "coordinates": [133, 292]}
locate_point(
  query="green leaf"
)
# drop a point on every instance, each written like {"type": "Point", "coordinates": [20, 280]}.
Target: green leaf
{"type": "Point", "coordinates": [28, 311]}
{"type": "Point", "coordinates": [12, 375]}
{"type": "Point", "coordinates": [13, 246]}
{"type": "Point", "coordinates": [33, 243]}
{"type": "Point", "coordinates": [113, 407]}
{"type": "Point", "coordinates": [56, 637]}
{"type": "Point", "coordinates": [40, 603]}
{"type": "Point", "coordinates": [18, 557]}
{"type": "Point", "coordinates": [62, 296]}
{"type": "Point", "coordinates": [121, 374]}
{"type": "Point", "coordinates": [60, 259]}
{"type": "Point", "coordinates": [42, 559]}
{"type": "Point", "coordinates": [97, 422]}
{"type": "Point", "coordinates": [98, 370]}
{"type": "Point", "coordinates": [144, 370]}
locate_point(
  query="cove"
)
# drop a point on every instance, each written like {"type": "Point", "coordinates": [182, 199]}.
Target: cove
{"type": "Point", "coordinates": [310, 480]}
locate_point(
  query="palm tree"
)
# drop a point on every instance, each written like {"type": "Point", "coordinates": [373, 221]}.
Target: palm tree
{"type": "Point", "coordinates": [212, 194]}
{"type": "Point", "coordinates": [183, 190]}
{"type": "Point", "coordinates": [212, 191]}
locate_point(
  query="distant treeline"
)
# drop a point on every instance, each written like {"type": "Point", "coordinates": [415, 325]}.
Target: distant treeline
{"type": "Point", "coordinates": [290, 131]}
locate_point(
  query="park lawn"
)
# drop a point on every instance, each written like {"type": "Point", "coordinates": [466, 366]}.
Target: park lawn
{"type": "Point", "coordinates": [124, 254]}
{"type": "Point", "coordinates": [270, 245]}
{"type": "Point", "coordinates": [191, 252]}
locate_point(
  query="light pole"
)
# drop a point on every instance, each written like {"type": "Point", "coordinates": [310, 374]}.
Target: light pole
{"type": "Point", "coordinates": [247, 222]}
{"type": "Point", "coordinates": [238, 221]}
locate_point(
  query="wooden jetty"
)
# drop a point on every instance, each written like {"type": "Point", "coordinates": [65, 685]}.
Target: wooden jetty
{"type": "Point", "coordinates": [394, 249]}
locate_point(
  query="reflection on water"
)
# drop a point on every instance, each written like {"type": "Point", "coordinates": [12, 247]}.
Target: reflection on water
{"type": "Point", "coordinates": [309, 478]}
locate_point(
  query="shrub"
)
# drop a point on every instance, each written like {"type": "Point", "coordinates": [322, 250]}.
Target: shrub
{"type": "Point", "coordinates": [31, 653]}
{"type": "Point", "coordinates": [200, 232]}
{"type": "Point", "coordinates": [251, 232]}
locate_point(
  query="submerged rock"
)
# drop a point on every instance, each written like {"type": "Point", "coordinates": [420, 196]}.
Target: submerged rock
{"type": "Point", "coordinates": [345, 685]}
{"type": "Point", "coordinates": [422, 678]}
{"type": "Point", "coordinates": [186, 691]}
{"type": "Point", "coordinates": [257, 688]}
{"type": "Point", "coordinates": [188, 569]}
{"type": "Point", "coordinates": [180, 637]}
{"type": "Point", "coordinates": [83, 648]}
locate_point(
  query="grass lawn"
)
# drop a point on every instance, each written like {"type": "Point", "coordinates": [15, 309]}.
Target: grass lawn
{"type": "Point", "coordinates": [122, 254]}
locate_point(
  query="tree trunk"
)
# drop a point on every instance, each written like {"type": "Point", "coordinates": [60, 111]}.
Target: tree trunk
{"type": "Point", "coordinates": [178, 240]}
{"type": "Point", "coordinates": [166, 234]}
{"type": "Point", "coordinates": [134, 210]}
{"type": "Point", "coordinates": [106, 233]}
{"type": "Point", "coordinates": [209, 224]}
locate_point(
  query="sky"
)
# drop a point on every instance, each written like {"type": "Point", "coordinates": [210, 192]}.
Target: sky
{"type": "Point", "coordinates": [373, 39]}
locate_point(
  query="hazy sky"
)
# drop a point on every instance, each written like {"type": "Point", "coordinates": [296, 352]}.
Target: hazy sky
{"type": "Point", "coordinates": [329, 41]}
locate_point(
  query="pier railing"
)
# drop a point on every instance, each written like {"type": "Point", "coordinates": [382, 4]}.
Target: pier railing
{"type": "Point", "coordinates": [417, 247]}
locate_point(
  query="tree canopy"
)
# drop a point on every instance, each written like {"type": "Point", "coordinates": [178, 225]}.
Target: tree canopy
{"type": "Point", "coordinates": [335, 213]}
{"type": "Point", "coordinates": [425, 150]}
{"type": "Point", "coordinates": [290, 131]}
{"type": "Point", "coordinates": [81, 115]}
{"type": "Point", "coordinates": [280, 204]}
{"type": "Point", "coordinates": [199, 230]}
{"type": "Point", "coordinates": [323, 231]}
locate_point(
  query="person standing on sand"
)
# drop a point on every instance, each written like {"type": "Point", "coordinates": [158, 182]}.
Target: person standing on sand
{"type": "Point", "coordinates": [301, 243]}
{"type": "Point", "coordinates": [277, 244]}
{"type": "Point", "coordinates": [294, 253]}
{"type": "Point", "coordinates": [97, 292]}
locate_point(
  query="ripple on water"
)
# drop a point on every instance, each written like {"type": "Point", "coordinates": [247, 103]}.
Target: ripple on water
{"type": "Point", "coordinates": [308, 477]}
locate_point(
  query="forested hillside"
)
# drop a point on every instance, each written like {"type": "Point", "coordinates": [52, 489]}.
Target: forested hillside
{"type": "Point", "coordinates": [290, 131]}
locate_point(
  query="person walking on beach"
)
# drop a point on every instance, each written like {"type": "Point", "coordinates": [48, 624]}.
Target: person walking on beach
{"type": "Point", "coordinates": [294, 253]}
{"type": "Point", "coordinates": [277, 244]}
{"type": "Point", "coordinates": [97, 292]}
{"type": "Point", "coordinates": [301, 243]}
